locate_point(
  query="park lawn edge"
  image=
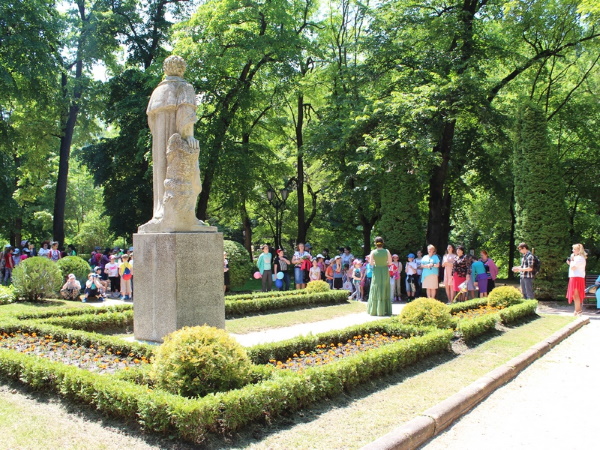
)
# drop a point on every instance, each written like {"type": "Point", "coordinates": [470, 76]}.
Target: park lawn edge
{"type": "Point", "coordinates": [194, 419]}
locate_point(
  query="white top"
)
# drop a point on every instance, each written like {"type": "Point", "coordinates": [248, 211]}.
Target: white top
{"type": "Point", "coordinates": [112, 269]}
{"type": "Point", "coordinates": [577, 267]}
{"type": "Point", "coordinates": [411, 268]}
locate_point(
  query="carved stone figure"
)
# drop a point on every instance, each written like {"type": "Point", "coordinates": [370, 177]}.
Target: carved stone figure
{"type": "Point", "coordinates": [176, 175]}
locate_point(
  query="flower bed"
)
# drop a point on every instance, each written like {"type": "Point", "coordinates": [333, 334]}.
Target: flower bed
{"type": "Point", "coordinates": [325, 354]}
{"type": "Point", "coordinates": [95, 358]}
{"type": "Point", "coordinates": [273, 393]}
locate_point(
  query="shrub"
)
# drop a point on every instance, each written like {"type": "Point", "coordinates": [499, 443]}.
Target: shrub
{"type": "Point", "coordinates": [75, 265]}
{"type": "Point", "coordinates": [516, 312]}
{"type": "Point", "coordinates": [505, 296]}
{"type": "Point", "coordinates": [240, 266]}
{"type": "Point", "coordinates": [426, 312]}
{"type": "Point", "coordinates": [317, 286]}
{"type": "Point", "coordinates": [471, 328]}
{"type": "Point", "coordinates": [195, 361]}
{"type": "Point", "coordinates": [37, 277]}
{"type": "Point", "coordinates": [7, 294]}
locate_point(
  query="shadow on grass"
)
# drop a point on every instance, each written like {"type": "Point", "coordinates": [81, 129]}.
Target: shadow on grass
{"type": "Point", "coordinates": [255, 432]}
{"type": "Point", "coordinates": [288, 309]}
{"type": "Point", "coordinates": [87, 413]}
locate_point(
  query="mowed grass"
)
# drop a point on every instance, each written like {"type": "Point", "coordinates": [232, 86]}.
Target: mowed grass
{"type": "Point", "coordinates": [29, 307]}
{"type": "Point", "coordinates": [361, 416]}
{"type": "Point", "coordinates": [286, 319]}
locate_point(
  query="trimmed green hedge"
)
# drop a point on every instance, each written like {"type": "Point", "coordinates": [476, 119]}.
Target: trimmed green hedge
{"type": "Point", "coordinates": [255, 295]}
{"type": "Point", "coordinates": [517, 312]}
{"type": "Point", "coordinates": [63, 312]}
{"type": "Point", "coordinates": [192, 419]}
{"type": "Point", "coordinates": [107, 321]}
{"type": "Point", "coordinates": [469, 304]}
{"type": "Point", "coordinates": [262, 304]}
{"type": "Point", "coordinates": [471, 328]}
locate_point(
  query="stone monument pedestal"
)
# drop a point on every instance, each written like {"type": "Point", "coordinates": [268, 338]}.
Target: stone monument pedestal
{"type": "Point", "coordinates": [178, 282]}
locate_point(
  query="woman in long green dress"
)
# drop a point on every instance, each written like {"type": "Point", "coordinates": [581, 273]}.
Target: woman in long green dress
{"type": "Point", "coordinates": [380, 303]}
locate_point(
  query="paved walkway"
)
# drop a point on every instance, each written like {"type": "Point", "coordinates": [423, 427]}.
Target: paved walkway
{"type": "Point", "coordinates": [553, 404]}
{"type": "Point", "coordinates": [280, 334]}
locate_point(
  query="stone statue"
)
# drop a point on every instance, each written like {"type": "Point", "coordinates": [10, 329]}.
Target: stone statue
{"type": "Point", "coordinates": [176, 178]}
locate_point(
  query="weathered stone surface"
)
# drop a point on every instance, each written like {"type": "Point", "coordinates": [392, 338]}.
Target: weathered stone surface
{"type": "Point", "coordinates": [178, 282]}
{"type": "Point", "coordinates": [176, 174]}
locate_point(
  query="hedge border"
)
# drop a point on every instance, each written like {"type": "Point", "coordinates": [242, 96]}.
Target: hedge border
{"type": "Point", "coordinates": [192, 419]}
{"type": "Point", "coordinates": [241, 308]}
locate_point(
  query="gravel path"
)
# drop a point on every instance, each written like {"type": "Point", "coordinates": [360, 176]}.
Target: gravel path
{"type": "Point", "coordinates": [553, 404]}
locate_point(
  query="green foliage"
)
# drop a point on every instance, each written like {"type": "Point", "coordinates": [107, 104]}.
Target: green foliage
{"type": "Point", "coordinates": [540, 208]}
{"type": "Point", "coordinates": [102, 322]}
{"type": "Point", "coordinates": [7, 294]}
{"type": "Point", "coordinates": [318, 286]}
{"type": "Point", "coordinates": [469, 304]}
{"type": "Point", "coordinates": [240, 265]}
{"type": "Point", "coordinates": [195, 361]}
{"type": "Point", "coordinates": [471, 328]}
{"type": "Point", "coordinates": [518, 311]}
{"type": "Point", "coordinates": [75, 265]}
{"type": "Point", "coordinates": [295, 299]}
{"type": "Point", "coordinates": [504, 296]}
{"type": "Point", "coordinates": [426, 312]}
{"type": "Point", "coordinates": [36, 278]}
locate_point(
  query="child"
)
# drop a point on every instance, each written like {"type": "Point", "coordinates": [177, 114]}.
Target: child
{"type": "Point", "coordinates": [71, 289]}
{"type": "Point", "coordinates": [126, 272]}
{"type": "Point", "coordinates": [315, 271]}
{"type": "Point", "coordinates": [356, 279]}
{"type": "Point", "coordinates": [92, 287]}
{"type": "Point", "coordinates": [411, 277]}
{"type": "Point", "coordinates": [54, 253]}
{"type": "Point", "coordinates": [9, 264]}
{"type": "Point", "coordinates": [112, 269]}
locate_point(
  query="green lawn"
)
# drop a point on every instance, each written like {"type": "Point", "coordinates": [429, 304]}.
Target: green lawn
{"type": "Point", "coordinates": [286, 319]}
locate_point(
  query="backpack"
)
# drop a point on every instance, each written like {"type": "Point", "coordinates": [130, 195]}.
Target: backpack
{"type": "Point", "coordinates": [537, 264]}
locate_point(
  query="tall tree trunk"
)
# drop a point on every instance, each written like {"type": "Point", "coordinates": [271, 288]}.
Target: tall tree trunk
{"type": "Point", "coordinates": [60, 198]}
{"type": "Point", "coordinates": [511, 238]}
{"type": "Point", "coordinates": [300, 174]}
{"type": "Point", "coordinates": [440, 200]}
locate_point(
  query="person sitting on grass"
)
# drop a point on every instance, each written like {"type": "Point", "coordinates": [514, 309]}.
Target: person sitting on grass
{"type": "Point", "coordinates": [71, 289]}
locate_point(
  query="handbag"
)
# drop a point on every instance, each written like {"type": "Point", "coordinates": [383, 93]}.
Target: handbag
{"type": "Point", "coordinates": [591, 289]}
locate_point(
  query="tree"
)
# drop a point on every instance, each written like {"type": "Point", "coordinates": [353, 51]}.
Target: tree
{"type": "Point", "coordinates": [542, 220]}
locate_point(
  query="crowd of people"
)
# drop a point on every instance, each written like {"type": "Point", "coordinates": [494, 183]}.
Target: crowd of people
{"type": "Point", "coordinates": [111, 269]}
{"type": "Point", "coordinates": [464, 276]}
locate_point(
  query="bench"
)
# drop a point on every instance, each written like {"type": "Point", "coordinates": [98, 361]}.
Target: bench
{"type": "Point", "coordinates": [590, 299]}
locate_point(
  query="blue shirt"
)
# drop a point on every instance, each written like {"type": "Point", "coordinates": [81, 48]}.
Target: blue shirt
{"type": "Point", "coordinates": [435, 259]}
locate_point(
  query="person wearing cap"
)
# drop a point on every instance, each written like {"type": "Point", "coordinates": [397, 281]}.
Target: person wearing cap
{"type": "Point", "coordinates": [396, 279]}
{"type": "Point", "coordinates": [282, 264]}
{"type": "Point", "coordinates": [93, 286]}
{"type": "Point", "coordinates": [16, 257]}
{"type": "Point", "coordinates": [71, 289]}
{"type": "Point", "coordinates": [112, 270]}
{"type": "Point", "coordinates": [265, 267]}
{"type": "Point", "coordinates": [411, 276]}
{"type": "Point", "coordinates": [299, 257]}
{"type": "Point", "coordinates": [25, 254]}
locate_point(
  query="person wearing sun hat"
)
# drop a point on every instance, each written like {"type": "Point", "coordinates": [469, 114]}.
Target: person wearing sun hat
{"type": "Point", "coordinates": [126, 272]}
{"type": "Point", "coordinates": [71, 289]}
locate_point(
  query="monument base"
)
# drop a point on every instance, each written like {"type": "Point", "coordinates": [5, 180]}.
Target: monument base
{"type": "Point", "coordinates": [178, 282]}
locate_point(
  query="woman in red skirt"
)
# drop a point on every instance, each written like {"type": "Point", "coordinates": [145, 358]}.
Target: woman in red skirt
{"type": "Point", "coordinates": [576, 289]}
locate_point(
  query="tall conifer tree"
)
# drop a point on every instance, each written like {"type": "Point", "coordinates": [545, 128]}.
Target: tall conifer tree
{"type": "Point", "coordinates": [540, 192]}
